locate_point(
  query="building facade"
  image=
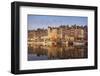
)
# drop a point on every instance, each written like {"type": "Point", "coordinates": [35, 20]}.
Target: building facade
{"type": "Point", "coordinates": [62, 35]}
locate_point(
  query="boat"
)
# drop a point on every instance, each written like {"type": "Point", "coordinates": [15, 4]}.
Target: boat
{"type": "Point", "coordinates": [77, 43]}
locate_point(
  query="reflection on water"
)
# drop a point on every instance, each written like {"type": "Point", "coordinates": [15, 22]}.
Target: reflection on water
{"type": "Point", "coordinates": [55, 52]}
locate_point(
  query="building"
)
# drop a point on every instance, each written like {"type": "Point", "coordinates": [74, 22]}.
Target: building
{"type": "Point", "coordinates": [58, 35]}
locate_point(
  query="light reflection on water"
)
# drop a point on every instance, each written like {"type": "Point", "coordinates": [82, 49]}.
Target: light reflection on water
{"type": "Point", "coordinates": [56, 52]}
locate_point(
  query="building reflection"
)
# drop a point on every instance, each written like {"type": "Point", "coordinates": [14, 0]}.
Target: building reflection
{"type": "Point", "coordinates": [57, 52]}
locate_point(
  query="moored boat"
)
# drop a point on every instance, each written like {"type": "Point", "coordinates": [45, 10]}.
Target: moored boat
{"type": "Point", "coordinates": [77, 43]}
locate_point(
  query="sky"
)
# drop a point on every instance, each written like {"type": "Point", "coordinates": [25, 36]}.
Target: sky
{"type": "Point", "coordinates": [43, 21]}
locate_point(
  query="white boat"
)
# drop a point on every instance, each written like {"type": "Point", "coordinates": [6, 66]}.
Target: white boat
{"type": "Point", "coordinates": [78, 43]}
